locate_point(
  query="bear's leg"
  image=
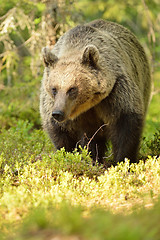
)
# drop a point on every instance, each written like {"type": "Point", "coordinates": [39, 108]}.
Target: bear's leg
{"type": "Point", "coordinates": [125, 137]}
{"type": "Point", "coordinates": [97, 147]}
{"type": "Point", "coordinates": [63, 138]}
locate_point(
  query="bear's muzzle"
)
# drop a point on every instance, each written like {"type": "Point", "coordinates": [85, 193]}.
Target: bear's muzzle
{"type": "Point", "coordinates": [58, 116]}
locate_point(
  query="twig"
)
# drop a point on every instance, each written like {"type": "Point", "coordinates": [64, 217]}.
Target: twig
{"type": "Point", "coordinates": [78, 143]}
{"type": "Point", "coordinates": [95, 134]}
{"type": "Point", "coordinates": [96, 153]}
{"type": "Point", "coordinates": [108, 156]}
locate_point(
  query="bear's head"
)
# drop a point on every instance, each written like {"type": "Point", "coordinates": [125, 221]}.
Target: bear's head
{"type": "Point", "coordinates": [74, 81]}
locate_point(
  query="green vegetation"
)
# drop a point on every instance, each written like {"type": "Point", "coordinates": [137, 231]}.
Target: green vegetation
{"type": "Point", "coordinates": [59, 194]}
{"type": "Point", "coordinates": [48, 195]}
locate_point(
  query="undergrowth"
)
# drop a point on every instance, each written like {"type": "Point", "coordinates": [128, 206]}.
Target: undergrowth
{"type": "Point", "coordinates": [36, 181]}
{"type": "Point", "coordinates": [70, 223]}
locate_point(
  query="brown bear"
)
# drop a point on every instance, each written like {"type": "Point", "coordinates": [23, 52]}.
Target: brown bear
{"type": "Point", "coordinates": [96, 87]}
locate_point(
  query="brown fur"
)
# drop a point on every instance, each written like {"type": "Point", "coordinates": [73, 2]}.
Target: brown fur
{"type": "Point", "coordinates": [96, 74]}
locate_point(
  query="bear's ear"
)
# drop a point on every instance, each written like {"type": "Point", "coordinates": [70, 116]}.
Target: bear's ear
{"type": "Point", "coordinates": [91, 56]}
{"type": "Point", "coordinates": [49, 57]}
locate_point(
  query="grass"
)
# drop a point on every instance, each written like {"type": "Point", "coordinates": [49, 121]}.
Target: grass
{"type": "Point", "coordinates": [46, 194]}
{"type": "Point", "coordinates": [70, 222]}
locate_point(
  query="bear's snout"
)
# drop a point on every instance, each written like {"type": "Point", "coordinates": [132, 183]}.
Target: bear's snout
{"type": "Point", "coordinates": [58, 116]}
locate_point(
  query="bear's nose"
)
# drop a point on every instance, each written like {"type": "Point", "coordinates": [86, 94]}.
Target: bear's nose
{"type": "Point", "coordinates": [58, 115]}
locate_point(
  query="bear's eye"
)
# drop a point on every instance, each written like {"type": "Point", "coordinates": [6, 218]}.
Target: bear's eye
{"type": "Point", "coordinates": [54, 91]}
{"type": "Point", "coordinates": [72, 92]}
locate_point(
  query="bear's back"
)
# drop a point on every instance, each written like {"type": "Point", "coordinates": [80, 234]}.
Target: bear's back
{"type": "Point", "coordinates": [84, 34]}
